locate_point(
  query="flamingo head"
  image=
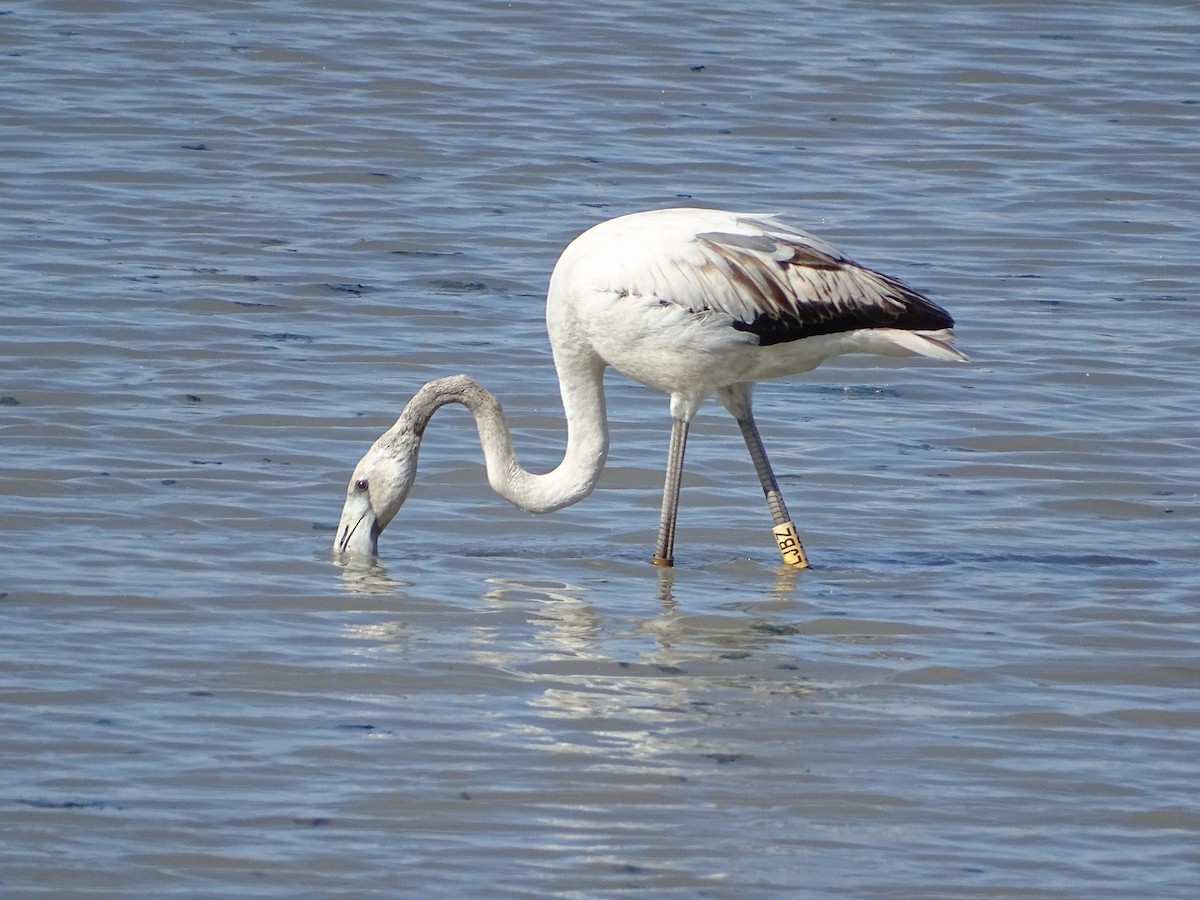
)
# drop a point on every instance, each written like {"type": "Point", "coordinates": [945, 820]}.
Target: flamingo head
{"type": "Point", "coordinates": [377, 489]}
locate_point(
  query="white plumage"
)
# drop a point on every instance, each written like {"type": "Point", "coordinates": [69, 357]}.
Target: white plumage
{"type": "Point", "coordinates": [692, 302]}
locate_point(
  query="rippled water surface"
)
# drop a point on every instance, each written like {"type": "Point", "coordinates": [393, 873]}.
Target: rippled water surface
{"type": "Point", "coordinates": [238, 236]}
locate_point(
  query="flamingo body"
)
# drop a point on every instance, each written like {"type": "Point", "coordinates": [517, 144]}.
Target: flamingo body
{"type": "Point", "coordinates": [692, 302]}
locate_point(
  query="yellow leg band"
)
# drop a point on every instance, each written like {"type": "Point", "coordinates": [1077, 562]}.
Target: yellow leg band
{"type": "Point", "coordinates": [789, 546]}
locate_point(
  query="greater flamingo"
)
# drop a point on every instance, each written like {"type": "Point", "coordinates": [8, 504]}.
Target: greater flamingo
{"type": "Point", "coordinates": [693, 302]}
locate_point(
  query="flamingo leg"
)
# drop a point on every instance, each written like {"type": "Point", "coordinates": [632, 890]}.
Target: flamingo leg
{"type": "Point", "coordinates": [736, 398]}
{"type": "Point", "coordinates": [786, 537]}
{"type": "Point", "coordinates": [664, 547]}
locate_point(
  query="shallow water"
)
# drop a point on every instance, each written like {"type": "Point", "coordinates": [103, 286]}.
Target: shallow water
{"type": "Point", "coordinates": [239, 237]}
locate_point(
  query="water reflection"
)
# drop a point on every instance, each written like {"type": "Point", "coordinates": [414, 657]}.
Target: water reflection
{"type": "Point", "coordinates": [677, 628]}
{"type": "Point", "coordinates": [566, 673]}
{"type": "Point", "coordinates": [787, 580]}
{"type": "Point", "coordinates": [567, 624]}
{"type": "Point", "coordinates": [675, 670]}
{"type": "Point", "coordinates": [362, 577]}
{"type": "Point", "coordinates": [574, 623]}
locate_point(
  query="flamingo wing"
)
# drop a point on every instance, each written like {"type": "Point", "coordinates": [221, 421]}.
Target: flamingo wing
{"type": "Point", "coordinates": [782, 284]}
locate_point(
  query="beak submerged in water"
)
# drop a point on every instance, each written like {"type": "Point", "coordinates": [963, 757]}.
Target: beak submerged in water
{"type": "Point", "coordinates": [358, 530]}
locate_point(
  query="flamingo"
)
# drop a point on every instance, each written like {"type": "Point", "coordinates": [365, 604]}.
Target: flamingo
{"type": "Point", "coordinates": [692, 302]}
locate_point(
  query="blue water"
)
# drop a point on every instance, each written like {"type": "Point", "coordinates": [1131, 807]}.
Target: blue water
{"type": "Point", "coordinates": [239, 237]}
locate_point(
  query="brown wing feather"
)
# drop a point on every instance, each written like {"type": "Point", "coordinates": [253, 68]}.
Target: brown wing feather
{"type": "Point", "coordinates": [781, 289]}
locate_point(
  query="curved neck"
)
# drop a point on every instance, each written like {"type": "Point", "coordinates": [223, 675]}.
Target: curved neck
{"type": "Point", "coordinates": [582, 384]}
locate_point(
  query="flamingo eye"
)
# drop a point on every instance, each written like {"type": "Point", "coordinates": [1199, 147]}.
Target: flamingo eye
{"type": "Point", "coordinates": [360, 485]}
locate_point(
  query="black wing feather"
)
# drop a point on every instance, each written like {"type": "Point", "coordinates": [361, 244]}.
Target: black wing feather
{"type": "Point", "coordinates": [808, 292]}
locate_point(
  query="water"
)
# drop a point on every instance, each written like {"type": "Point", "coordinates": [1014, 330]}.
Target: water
{"type": "Point", "coordinates": [239, 235]}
